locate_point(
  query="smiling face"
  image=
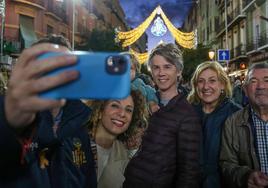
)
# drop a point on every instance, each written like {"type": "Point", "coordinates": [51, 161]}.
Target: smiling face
{"type": "Point", "coordinates": [117, 115]}
{"type": "Point", "coordinates": [164, 74]}
{"type": "Point", "coordinates": [209, 87]}
{"type": "Point", "coordinates": [257, 87]}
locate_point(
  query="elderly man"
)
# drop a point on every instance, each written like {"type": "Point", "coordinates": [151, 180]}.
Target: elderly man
{"type": "Point", "coordinates": [244, 151]}
{"type": "Point", "coordinates": [169, 153]}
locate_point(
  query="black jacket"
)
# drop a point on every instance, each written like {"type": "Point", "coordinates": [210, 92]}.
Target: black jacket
{"type": "Point", "coordinates": [169, 153]}
{"type": "Point", "coordinates": [65, 168]}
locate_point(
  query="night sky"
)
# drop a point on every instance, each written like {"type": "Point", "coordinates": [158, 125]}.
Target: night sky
{"type": "Point", "coordinates": [137, 11]}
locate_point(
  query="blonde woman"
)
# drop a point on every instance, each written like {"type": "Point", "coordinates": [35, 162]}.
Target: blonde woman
{"type": "Point", "coordinates": [210, 95]}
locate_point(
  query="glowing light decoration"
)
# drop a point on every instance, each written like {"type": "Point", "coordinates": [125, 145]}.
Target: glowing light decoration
{"type": "Point", "coordinates": [158, 29]}
{"type": "Point", "coordinates": [186, 40]}
{"type": "Point", "coordinates": [141, 57]}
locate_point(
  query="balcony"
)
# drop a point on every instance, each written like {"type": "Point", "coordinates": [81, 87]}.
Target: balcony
{"type": "Point", "coordinates": [252, 45]}
{"type": "Point", "coordinates": [241, 50]}
{"type": "Point", "coordinates": [258, 43]}
{"type": "Point", "coordinates": [263, 40]}
{"type": "Point", "coordinates": [246, 2]}
{"type": "Point", "coordinates": [249, 4]}
{"type": "Point", "coordinates": [11, 46]}
{"type": "Point", "coordinates": [39, 2]}
{"type": "Point", "coordinates": [238, 53]}
{"type": "Point", "coordinates": [235, 16]}
{"type": "Point", "coordinates": [219, 26]}
{"type": "Point", "coordinates": [220, 3]}
{"type": "Point", "coordinates": [232, 19]}
{"type": "Point", "coordinates": [83, 30]}
{"type": "Point", "coordinates": [36, 3]}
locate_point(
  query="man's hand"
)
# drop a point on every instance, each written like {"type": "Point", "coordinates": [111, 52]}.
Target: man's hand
{"type": "Point", "coordinates": [26, 82]}
{"type": "Point", "coordinates": [257, 179]}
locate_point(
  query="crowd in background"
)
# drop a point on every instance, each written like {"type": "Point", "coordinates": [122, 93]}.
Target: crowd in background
{"type": "Point", "coordinates": [209, 133]}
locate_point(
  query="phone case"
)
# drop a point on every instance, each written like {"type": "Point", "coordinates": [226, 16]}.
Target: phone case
{"type": "Point", "coordinates": [95, 82]}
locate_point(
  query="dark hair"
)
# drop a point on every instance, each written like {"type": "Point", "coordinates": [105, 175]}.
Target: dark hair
{"type": "Point", "coordinates": [55, 39]}
{"type": "Point", "coordinates": [134, 61]}
{"type": "Point", "coordinates": [170, 52]}
{"type": "Point", "coordinates": [139, 117]}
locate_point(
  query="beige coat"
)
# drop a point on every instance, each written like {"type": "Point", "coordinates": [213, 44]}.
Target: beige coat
{"type": "Point", "coordinates": [113, 174]}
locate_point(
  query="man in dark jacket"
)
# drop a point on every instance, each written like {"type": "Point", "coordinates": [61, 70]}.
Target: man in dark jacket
{"type": "Point", "coordinates": [44, 143]}
{"type": "Point", "coordinates": [169, 153]}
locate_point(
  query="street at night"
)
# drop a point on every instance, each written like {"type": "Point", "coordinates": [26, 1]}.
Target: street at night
{"type": "Point", "coordinates": [134, 94]}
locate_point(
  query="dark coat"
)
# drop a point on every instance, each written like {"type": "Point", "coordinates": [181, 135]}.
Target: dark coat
{"type": "Point", "coordinates": [169, 153]}
{"type": "Point", "coordinates": [212, 127]}
{"type": "Point", "coordinates": [238, 155]}
{"type": "Point", "coordinates": [21, 167]}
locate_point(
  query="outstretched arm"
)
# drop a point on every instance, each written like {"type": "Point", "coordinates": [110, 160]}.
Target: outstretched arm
{"type": "Point", "coordinates": [22, 100]}
{"type": "Point", "coordinates": [19, 107]}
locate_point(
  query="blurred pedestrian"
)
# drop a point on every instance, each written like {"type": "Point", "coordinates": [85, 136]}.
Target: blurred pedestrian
{"type": "Point", "coordinates": [138, 84]}
{"type": "Point", "coordinates": [134, 141]}
{"type": "Point", "coordinates": [244, 151]}
{"type": "Point", "coordinates": [44, 143]}
{"type": "Point", "coordinates": [238, 92]}
{"type": "Point", "coordinates": [169, 153]}
{"type": "Point", "coordinates": [210, 95]}
{"type": "Point", "coordinates": [111, 123]}
{"type": "Point", "coordinates": [3, 83]}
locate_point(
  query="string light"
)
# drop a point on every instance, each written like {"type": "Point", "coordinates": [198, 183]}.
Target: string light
{"type": "Point", "coordinates": [186, 40]}
{"type": "Point", "coordinates": [132, 36]}
{"type": "Point", "coordinates": [141, 57]}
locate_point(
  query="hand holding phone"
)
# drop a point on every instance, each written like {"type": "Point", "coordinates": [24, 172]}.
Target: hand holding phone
{"type": "Point", "coordinates": [102, 76]}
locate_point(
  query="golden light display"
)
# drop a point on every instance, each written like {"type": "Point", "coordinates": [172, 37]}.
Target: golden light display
{"type": "Point", "coordinates": [130, 37]}
{"type": "Point", "coordinates": [141, 57]}
{"type": "Point", "coordinates": [186, 40]}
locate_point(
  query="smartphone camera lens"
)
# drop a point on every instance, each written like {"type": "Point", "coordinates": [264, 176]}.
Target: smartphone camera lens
{"type": "Point", "coordinates": [116, 69]}
{"type": "Point", "coordinates": [110, 61]}
{"type": "Point", "coordinates": [116, 64]}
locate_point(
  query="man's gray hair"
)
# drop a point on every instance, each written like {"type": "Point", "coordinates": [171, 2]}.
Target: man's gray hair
{"type": "Point", "coordinates": [262, 65]}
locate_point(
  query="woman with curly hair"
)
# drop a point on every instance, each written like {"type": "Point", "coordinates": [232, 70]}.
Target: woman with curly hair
{"type": "Point", "coordinates": [111, 123]}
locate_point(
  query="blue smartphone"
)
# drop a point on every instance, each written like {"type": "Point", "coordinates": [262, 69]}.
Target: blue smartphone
{"type": "Point", "coordinates": [102, 76]}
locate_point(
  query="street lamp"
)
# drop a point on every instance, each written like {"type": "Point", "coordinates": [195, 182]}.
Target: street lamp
{"type": "Point", "coordinates": [226, 28]}
{"type": "Point", "coordinates": [73, 25]}
{"type": "Point", "coordinates": [2, 13]}
{"type": "Point", "coordinates": [211, 55]}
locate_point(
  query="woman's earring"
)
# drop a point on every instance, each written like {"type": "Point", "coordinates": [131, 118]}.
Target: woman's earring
{"type": "Point", "coordinates": [222, 91]}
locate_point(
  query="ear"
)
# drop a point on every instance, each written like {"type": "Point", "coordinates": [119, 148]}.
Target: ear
{"type": "Point", "coordinates": [222, 86]}
{"type": "Point", "coordinates": [179, 73]}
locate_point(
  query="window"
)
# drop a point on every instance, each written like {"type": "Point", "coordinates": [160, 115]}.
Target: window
{"type": "Point", "coordinates": [256, 26]}
{"type": "Point", "coordinates": [49, 29]}
{"type": "Point", "coordinates": [27, 32]}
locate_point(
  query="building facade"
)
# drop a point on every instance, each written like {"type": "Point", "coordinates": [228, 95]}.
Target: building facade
{"type": "Point", "coordinates": [246, 28]}
{"type": "Point", "coordinates": [28, 20]}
